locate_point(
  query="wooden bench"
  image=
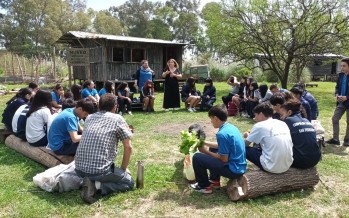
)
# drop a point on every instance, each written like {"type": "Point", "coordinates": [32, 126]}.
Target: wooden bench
{"type": "Point", "coordinates": [256, 183]}
{"type": "Point", "coordinates": [4, 132]}
{"type": "Point", "coordinates": [39, 154]}
{"type": "Point", "coordinates": [311, 85]}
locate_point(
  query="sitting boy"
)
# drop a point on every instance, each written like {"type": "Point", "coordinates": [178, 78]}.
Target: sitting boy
{"type": "Point", "coordinates": [275, 152]}
{"type": "Point", "coordinates": [224, 158]}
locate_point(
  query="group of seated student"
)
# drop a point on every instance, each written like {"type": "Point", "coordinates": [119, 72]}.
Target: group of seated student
{"type": "Point", "coordinates": [277, 145]}
{"type": "Point", "coordinates": [192, 97]}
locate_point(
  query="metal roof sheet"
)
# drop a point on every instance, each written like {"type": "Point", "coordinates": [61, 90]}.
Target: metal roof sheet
{"type": "Point", "coordinates": [87, 35]}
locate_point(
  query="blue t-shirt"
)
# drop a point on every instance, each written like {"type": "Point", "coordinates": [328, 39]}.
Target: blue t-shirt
{"type": "Point", "coordinates": [87, 92]}
{"type": "Point", "coordinates": [143, 77]}
{"type": "Point", "coordinates": [10, 111]}
{"type": "Point", "coordinates": [102, 92]}
{"type": "Point", "coordinates": [57, 98]}
{"type": "Point", "coordinates": [231, 143]}
{"type": "Point", "coordinates": [123, 92]}
{"type": "Point", "coordinates": [64, 123]}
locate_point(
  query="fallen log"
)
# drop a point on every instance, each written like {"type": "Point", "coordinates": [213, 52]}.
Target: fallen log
{"type": "Point", "coordinates": [257, 183]}
{"type": "Point", "coordinates": [4, 132]}
{"type": "Point", "coordinates": [39, 154]}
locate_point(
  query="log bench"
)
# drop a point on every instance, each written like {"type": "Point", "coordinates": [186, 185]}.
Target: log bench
{"type": "Point", "coordinates": [4, 132]}
{"type": "Point", "coordinates": [256, 183]}
{"type": "Point", "coordinates": [39, 154]}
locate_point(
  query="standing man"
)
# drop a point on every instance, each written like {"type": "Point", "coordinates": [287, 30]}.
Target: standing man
{"type": "Point", "coordinates": [63, 137]}
{"type": "Point", "coordinates": [97, 152]}
{"type": "Point", "coordinates": [143, 74]}
{"type": "Point", "coordinates": [342, 96]}
{"type": "Point", "coordinates": [224, 158]}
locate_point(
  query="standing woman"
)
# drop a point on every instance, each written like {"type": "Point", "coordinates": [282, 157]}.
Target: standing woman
{"type": "Point", "coordinates": [57, 96]}
{"type": "Point", "coordinates": [39, 119]}
{"type": "Point", "coordinates": [109, 87]}
{"type": "Point", "coordinates": [21, 98]}
{"type": "Point", "coordinates": [171, 94]}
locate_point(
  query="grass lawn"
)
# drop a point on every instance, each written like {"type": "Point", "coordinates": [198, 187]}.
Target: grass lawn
{"type": "Point", "coordinates": [166, 193]}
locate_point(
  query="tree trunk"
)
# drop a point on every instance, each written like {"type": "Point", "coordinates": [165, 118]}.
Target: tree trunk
{"type": "Point", "coordinates": [38, 154]}
{"type": "Point", "coordinates": [54, 63]}
{"type": "Point", "coordinates": [257, 183]}
{"type": "Point", "coordinates": [32, 70]}
{"type": "Point", "coordinates": [13, 69]}
{"type": "Point", "coordinates": [20, 68]}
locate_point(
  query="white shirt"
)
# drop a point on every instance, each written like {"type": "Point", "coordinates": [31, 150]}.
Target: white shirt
{"type": "Point", "coordinates": [35, 124]}
{"type": "Point", "coordinates": [276, 143]}
{"type": "Point", "coordinates": [16, 116]}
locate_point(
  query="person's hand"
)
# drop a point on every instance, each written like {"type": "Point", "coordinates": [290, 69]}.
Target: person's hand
{"type": "Point", "coordinates": [129, 100]}
{"type": "Point", "coordinates": [246, 134]}
{"type": "Point", "coordinates": [202, 149]}
{"type": "Point", "coordinates": [135, 85]}
{"type": "Point", "coordinates": [208, 96]}
{"type": "Point", "coordinates": [128, 171]}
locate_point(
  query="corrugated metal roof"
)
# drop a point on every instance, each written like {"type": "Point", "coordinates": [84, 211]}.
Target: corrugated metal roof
{"type": "Point", "coordinates": [87, 35]}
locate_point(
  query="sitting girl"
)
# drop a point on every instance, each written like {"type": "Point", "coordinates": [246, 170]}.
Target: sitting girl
{"type": "Point", "coordinates": [124, 98]}
{"type": "Point", "coordinates": [253, 98]}
{"type": "Point", "coordinates": [147, 96]}
{"type": "Point", "coordinates": [57, 96]}
{"type": "Point", "coordinates": [190, 95]}
{"type": "Point", "coordinates": [209, 95]}
{"type": "Point", "coordinates": [39, 119]}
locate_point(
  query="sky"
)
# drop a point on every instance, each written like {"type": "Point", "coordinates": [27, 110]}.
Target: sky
{"type": "Point", "coordinates": [105, 4]}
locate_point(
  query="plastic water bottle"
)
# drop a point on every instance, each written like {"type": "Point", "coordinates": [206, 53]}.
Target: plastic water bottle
{"type": "Point", "coordinates": [140, 175]}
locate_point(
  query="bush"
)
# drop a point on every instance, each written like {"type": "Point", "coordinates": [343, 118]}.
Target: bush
{"type": "Point", "coordinates": [270, 76]}
{"type": "Point", "coordinates": [217, 74]}
{"type": "Point", "coordinates": [305, 76]}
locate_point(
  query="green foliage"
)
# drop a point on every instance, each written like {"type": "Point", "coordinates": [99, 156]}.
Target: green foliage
{"type": "Point", "coordinates": [304, 77]}
{"type": "Point", "coordinates": [270, 76]}
{"type": "Point", "coordinates": [217, 73]}
{"type": "Point", "coordinates": [190, 143]}
{"type": "Point", "coordinates": [105, 23]}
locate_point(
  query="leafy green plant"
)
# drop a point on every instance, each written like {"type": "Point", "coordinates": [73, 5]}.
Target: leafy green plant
{"type": "Point", "coordinates": [190, 142]}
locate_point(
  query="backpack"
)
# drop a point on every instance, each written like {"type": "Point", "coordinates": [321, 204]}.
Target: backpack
{"type": "Point", "coordinates": [232, 109]}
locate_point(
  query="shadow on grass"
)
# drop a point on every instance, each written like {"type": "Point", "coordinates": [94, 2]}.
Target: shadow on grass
{"type": "Point", "coordinates": [335, 149]}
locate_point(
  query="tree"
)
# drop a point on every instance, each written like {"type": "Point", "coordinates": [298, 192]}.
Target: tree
{"type": "Point", "coordinates": [105, 23]}
{"type": "Point", "coordinates": [279, 33]}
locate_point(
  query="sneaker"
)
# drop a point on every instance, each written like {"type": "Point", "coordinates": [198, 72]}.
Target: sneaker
{"type": "Point", "coordinates": [190, 110]}
{"type": "Point", "coordinates": [167, 110]}
{"type": "Point", "coordinates": [215, 183]}
{"type": "Point", "coordinates": [333, 141]}
{"type": "Point", "coordinates": [130, 113]}
{"type": "Point", "coordinates": [194, 109]}
{"type": "Point", "coordinates": [196, 187]}
{"type": "Point", "coordinates": [176, 108]}
{"type": "Point", "coordinates": [120, 113]}
{"type": "Point", "coordinates": [88, 191]}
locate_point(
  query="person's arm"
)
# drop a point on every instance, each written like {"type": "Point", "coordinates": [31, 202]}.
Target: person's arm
{"type": "Point", "coordinates": [92, 98]}
{"type": "Point", "coordinates": [74, 136]}
{"type": "Point", "coordinates": [211, 144]}
{"type": "Point", "coordinates": [165, 73]}
{"type": "Point", "coordinates": [179, 75]}
{"type": "Point", "coordinates": [223, 158]}
{"type": "Point", "coordinates": [56, 105]}
{"type": "Point", "coordinates": [127, 153]}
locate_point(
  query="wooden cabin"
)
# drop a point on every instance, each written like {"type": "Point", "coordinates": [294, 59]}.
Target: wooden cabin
{"type": "Point", "coordinates": [118, 57]}
{"type": "Point", "coordinates": [325, 66]}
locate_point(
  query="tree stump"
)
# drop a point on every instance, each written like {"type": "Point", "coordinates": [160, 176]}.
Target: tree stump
{"type": "Point", "coordinates": [39, 154]}
{"type": "Point", "coordinates": [257, 183]}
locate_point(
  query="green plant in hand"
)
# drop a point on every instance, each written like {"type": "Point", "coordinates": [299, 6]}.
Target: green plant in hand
{"type": "Point", "coordinates": [190, 142]}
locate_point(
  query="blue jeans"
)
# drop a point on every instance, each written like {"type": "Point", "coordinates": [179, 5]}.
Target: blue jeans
{"type": "Point", "coordinates": [114, 180]}
{"type": "Point", "coordinates": [42, 142]}
{"type": "Point", "coordinates": [68, 148]}
{"type": "Point", "coordinates": [204, 162]}
{"type": "Point", "coordinates": [254, 155]}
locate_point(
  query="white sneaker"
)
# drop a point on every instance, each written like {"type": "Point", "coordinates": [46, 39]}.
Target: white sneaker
{"type": "Point", "coordinates": [130, 113]}
{"type": "Point", "coordinates": [190, 110]}
{"type": "Point", "coordinates": [176, 108]}
{"type": "Point", "coordinates": [120, 113]}
{"type": "Point", "coordinates": [167, 110]}
{"type": "Point", "coordinates": [194, 109]}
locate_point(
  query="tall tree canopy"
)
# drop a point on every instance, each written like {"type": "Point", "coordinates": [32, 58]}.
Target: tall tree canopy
{"type": "Point", "coordinates": [280, 33]}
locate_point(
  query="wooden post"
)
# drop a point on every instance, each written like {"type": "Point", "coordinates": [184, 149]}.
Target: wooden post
{"type": "Point", "coordinates": [70, 76]}
{"type": "Point", "coordinates": [54, 63]}
{"type": "Point", "coordinates": [20, 67]}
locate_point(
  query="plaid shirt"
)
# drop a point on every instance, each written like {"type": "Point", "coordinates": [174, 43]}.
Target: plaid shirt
{"type": "Point", "coordinates": [98, 146]}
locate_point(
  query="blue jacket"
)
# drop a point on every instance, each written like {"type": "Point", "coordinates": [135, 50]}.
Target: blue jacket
{"type": "Point", "coordinates": [211, 91]}
{"type": "Point", "coordinates": [339, 87]}
{"type": "Point", "coordinates": [313, 104]}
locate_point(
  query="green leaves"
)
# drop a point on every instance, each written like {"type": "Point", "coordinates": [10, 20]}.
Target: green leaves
{"type": "Point", "coordinates": [190, 142]}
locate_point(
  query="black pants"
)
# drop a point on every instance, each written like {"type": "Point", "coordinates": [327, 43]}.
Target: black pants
{"type": "Point", "coordinates": [227, 98]}
{"type": "Point", "coordinates": [122, 104]}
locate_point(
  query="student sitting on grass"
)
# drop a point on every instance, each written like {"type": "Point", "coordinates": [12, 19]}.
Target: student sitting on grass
{"type": "Point", "coordinates": [147, 96]}
{"type": "Point", "coordinates": [209, 95]}
{"type": "Point", "coordinates": [190, 95]}
{"type": "Point", "coordinates": [273, 136]}
{"type": "Point", "coordinates": [57, 96]}
{"type": "Point", "coordinates": [224, 158]}
{"type": "Point", "coordinates": [124, 98]}
{"type": "Point", "coordinates": [306, 152]}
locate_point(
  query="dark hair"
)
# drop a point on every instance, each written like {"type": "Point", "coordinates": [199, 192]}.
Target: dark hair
{"type": "Point", "coordinates": [87, 83]}
{"type": "Point", "coordinates": [300, 85]}
{"type": "Point", "coordinates": [68, 94]}
{"type": "Point", "coordinates": [58, 86]}
{"type": "Point", "coordinates": [122, 86]}
{"type": "Point", "coordinates": [263, 90]}
{"type": "Point", "coordinates": [107, 102]}
{"type": "Point", "coordinates": [86, 105]}
{"type": "Point", "coordinates": [273, 86]}
{"type": "Point", "coordinates": [249, 78]}
{"type": "Point", "coordinates": [288, 96]}
{"type": "Point", "coordinates": [345, 60]}
{"type": "Point", "coordinates": [191, 82]}
{"type": "Point", "coordinates": [209, 80]}
{"type": "Point", "coordinates": [277, 98]}
{"type": "Point", "coordinates": [255, 87]}
{"type": "Point", "coordinates": [292, 105]}
{"type": "Point", "coordinates": [265, 108]}
{"type": "Point", "coordinates": [41, 99]}
{"type": "Point", "coordinates": [68, 103]}
{"type": "Point", "coordinates": [109, 86]}
{"type": "Point", "coordinates": [76, 90]}
{"type": "Point", "coordinates": [297, 91]}
{"type": "Point", "coordinates": [21, 94]}
{"type": "Point", "coordinates": [143, 61]}
{"type": "Point", "coordinates": [33, 85]}
{"type": "Point", "coordinates": [220, 111]}
{"type": "Point", "coordinates": [146, 86]}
